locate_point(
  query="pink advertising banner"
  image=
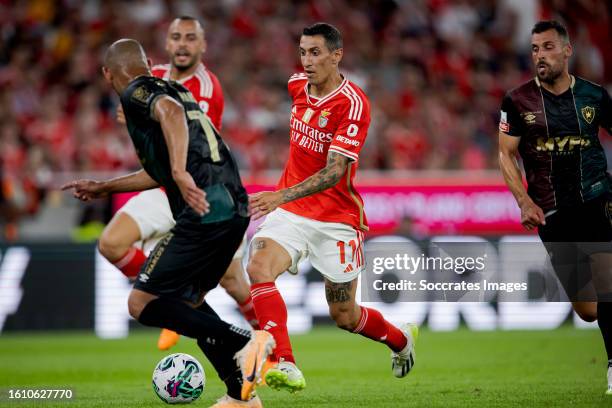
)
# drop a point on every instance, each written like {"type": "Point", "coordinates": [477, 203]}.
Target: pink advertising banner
{"type": "Point", "coordinates": [423, 210]}
{"type": "Point", "coordinates": [424, 207]}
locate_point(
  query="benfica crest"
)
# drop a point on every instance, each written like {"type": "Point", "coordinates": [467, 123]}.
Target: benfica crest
{"type": "Point", "coordinates": [323, 119]}
{"type": "Point", "coordinates": [588, 113]}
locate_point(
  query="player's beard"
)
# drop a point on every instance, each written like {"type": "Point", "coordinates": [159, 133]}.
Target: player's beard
{"type": "Point", "coordinates": [186, 66]}
{"type": "Point", "coordinates": [550, 74]}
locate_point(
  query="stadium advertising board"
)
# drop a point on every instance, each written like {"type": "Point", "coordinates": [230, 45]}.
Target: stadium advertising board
{"type": "Point", "coordinates": [426, 207]}
{"type": "Point", "coordinates": [68, 286]}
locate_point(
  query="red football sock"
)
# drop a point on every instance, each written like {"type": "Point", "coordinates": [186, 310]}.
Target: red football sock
{"type": "Point", "coordinates": [247, 310]}
{"type": "Point", "coordinates": [271, 313]}
{"type": "Point", "coordinates": [130, 263]}
{"type": "Point", "coordinates": [373, 325]}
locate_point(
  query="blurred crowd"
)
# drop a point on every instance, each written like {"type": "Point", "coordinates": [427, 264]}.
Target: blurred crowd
{"type": "Point", "coordinates": [434, 70]}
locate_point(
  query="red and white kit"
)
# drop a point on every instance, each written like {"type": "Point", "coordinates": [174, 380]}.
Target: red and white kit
{"type": "Point", "coordinates": [327, 226]}
{"type": "Point", "coordinates": [204, 86]}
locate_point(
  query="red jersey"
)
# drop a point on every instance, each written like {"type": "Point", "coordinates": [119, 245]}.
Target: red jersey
{"type": "Point", "coordinates": [339, 123]}
{"type": "Point", "coordinates": [204, 86]}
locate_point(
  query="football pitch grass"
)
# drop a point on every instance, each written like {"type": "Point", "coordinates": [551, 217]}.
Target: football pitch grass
{"type": "Point", "coordinates": [563, 367]}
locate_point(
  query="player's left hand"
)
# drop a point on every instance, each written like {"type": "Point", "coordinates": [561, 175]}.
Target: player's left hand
{"type": "Point", "coordinates": [264, 203]}
{"type": "Point", "coordinates": [86, 190]}
{"type": "Point", "coordinates": [193, 195]}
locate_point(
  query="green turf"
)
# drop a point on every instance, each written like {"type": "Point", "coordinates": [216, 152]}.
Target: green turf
{"type": "Point", "coordinates": [538, 368]}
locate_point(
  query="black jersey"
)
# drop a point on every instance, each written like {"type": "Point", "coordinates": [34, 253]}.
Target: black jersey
{"type": "Point", "coordinates": [209, 161]}
{"type": "Point", "coordinates": [564, 161]}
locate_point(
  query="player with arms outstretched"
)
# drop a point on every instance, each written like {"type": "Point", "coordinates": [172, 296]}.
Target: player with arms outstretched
{"type": "Point", "coordinates": [316, 211]}
{"type": "Point", "coordinates": [147, 216]}
{"type": "Point", "coordinates": [180, 150]}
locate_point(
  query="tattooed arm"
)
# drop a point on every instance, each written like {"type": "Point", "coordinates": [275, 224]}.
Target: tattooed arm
{"type": "Point", "coordinates": [265, 202]}
{"type": "Point", "coordinates": [325, 178]}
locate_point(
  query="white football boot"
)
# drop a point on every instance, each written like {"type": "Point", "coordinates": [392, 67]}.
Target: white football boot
{"type": "Point", "coordinates": [403, 361]}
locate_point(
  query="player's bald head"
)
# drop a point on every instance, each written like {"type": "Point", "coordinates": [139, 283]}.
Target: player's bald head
{"type": "Point", "coordinates": [124, 60]}
{"type": "Point", "coordinates": [125, 54]}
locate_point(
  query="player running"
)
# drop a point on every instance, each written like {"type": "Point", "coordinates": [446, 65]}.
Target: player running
{"type": "Point", "coordinates": [180, 150]}
{"type": "Point", "coordinates": [553, 121]}
{"type": "Point", "coordinates": [147, 216]}
{"type": "Point", "coordinates": [316, 212]}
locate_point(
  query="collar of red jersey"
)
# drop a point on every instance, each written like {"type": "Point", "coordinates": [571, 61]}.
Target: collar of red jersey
{"type": "Point", "coordinates": [319, 100]}
{"type": "Point", "coordinates": [201, 66]}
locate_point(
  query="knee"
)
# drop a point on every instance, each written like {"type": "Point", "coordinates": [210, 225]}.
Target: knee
{"type": "Point", "coordinates": [230, 284]}
{"type": "Point", "coordinates": [112, 249]}
{"type": "Point", "coordinates": [259, 271]}
{"type": "Point", "coordinates": [586, 310]}
{"type": "Point", "coordinates": [227, 281]}
{"type": "Point", "coordinates": [135, 306]}
{"type": "Point", "coordinates": [587, 315]}
{"type": "Point", "coordinates": [344, 318]}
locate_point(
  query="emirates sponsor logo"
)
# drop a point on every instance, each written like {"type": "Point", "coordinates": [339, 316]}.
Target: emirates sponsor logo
{"type": "Point", "coordinates": [309, 131]}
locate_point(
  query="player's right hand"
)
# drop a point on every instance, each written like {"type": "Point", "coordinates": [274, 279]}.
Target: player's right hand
{"type": "Point", "coordinates": [264, 202]}
{"type": "Point", "coordinates": [532, 215]}
{"type": "Point", "coordinates": [86, 190]}
{"type": "Point", "coordinates": [193, 195]}
{"type": "Point", "coordinates": [120, 115]}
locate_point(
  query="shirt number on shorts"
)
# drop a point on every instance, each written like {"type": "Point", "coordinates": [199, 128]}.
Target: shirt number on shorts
{"type": "Point", "coordinates": [341, 245]}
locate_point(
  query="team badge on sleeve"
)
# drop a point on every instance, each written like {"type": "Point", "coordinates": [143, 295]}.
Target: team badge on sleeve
{"type": "Point", "coordinates": [323, 119]}
{"type": "Point", "coordinates": [141, 95]}
{"type": "Point", "coordinates": [503, 122]}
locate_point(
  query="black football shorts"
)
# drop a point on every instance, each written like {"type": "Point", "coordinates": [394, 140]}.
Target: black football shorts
{"type": "Point", "coordinates": [190, 260]}
{"type": "Point", "coordinates": [574, 237]}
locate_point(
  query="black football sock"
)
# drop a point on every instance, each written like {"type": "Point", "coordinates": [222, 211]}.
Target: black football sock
{"type": "Point", "coordinates": [205, 308]}
{"type": "Point", "coordinates": [604, 320]}
{"type": "Point", "coordinates": [223, 361]}
{"type": "Point", "coordinates": [221, 358]}
{"type": "Point", "coordinates": [175, 315]}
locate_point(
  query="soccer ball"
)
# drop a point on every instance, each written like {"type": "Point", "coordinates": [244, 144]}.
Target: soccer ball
{"type": "Point", "coordinates": [178, 379]}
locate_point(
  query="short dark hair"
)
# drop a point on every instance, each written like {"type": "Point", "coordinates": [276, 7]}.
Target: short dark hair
{"type": "Point", "coordinates": [190, 18]}
{"type": "Point", "coordinates": [546, 25]}
{"type": "Point", "coordinates": [332, 36]}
